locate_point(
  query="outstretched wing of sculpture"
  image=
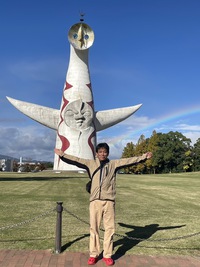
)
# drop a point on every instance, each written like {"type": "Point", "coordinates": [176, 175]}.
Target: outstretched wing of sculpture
{"type": "Point", "coordinates": [50, 117]}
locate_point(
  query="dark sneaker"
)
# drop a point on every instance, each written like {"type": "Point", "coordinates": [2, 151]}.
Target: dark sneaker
{"type": "Point", "coordinates": [92, 261]}
{"type": "Point", "coordinates": [108, 261]}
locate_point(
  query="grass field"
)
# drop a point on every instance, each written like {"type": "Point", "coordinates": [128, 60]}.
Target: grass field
{"type": "Point", "coordinates": [155, 214]}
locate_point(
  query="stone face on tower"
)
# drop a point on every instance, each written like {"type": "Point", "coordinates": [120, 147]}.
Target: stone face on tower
{"type": "Point", "coordinates": [76, 122]}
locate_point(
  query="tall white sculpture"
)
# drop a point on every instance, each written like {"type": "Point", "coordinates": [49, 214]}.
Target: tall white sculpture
{"type": "Point", "coordinates": [76, 121]}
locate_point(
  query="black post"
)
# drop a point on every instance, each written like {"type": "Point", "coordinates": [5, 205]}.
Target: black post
{"type": "Point", "coordinates": [58, 240]}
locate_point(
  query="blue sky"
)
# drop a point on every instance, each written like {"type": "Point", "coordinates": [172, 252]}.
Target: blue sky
{"type": "Point", "coordinates": [144, 52]}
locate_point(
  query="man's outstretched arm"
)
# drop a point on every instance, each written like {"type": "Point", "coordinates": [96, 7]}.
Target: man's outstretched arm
{"type": "Point", "coordinates": [79, 162]}
{"type": "Point", "coordinates": [133, 160]}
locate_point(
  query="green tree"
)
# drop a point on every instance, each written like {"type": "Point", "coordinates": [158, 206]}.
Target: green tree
{"type": "Point", "coordinates": [188, 161]}
{"type": "Point", "coordinates": [128, 151]}
{"type": "Point", "coordinates": [171, 150]}
{"type": "Point", "coordinates": [153, 147]}
{"type": "Point", "coordinates": [136, 150]}
{"type": "Point", "coordinates": [141, 148]}
{"type": "Point", "coordinates": [196, 155]}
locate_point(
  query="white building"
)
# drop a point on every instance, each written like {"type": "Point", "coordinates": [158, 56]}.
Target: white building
{"type": "Point", "coordinates": [6, 165]}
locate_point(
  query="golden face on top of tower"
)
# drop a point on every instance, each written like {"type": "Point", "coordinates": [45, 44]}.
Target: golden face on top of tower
{"type": "Point", "coordinates": [81, 36]}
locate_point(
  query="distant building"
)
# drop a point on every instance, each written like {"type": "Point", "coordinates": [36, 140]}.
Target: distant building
{"type": "Point", "coordinates": [28, 166]}
{"type": "Point", "coordinates": [6, 165]}
{"type": "Point", "coordinates": [14, 165]}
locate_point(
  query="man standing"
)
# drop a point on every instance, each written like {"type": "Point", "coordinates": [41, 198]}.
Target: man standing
{"type": "Point", "coordinates": [102, 173]}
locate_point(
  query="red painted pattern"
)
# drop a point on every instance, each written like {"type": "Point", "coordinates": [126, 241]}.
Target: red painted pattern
{"type": "Point", "coordinates": [89, 85]}
{"type": "Point", "coordinates": [67, 86]}
{"type": "Point", "coordinates": [93, 134]}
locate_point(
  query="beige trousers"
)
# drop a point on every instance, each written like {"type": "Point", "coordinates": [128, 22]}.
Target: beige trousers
{"type": "Point", "coordinates": [102, 210]}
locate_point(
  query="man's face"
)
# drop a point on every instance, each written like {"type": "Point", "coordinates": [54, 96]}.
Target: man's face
{"type": "Point", "coordinates": [102, 154]}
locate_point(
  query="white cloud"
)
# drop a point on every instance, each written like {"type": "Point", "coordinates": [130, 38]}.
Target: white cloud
{"type": "Point", "coordinates": [36, 143]}
{"type": "Point", "coordinates": [135, 121]}
{"type": "Point", "coordinates": [192, 135]}
{"type": "Point", "coordinates": [188, 127]}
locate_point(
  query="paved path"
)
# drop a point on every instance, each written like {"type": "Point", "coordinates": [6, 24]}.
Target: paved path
{"type": "Point", "coordinates": [44, 258]}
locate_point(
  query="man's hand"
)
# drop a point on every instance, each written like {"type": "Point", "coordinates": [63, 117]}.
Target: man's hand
{"type": "Point", "coordinates": [59, 152]}
{"type": "Point", "coordinates": [149, 155]}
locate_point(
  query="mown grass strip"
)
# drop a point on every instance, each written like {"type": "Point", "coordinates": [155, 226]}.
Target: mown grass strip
{"type": "Point", "coordinates": [148, 207]}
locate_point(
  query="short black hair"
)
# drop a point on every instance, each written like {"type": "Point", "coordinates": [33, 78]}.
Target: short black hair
{"type": "Point", "coordinates": [102, 145]}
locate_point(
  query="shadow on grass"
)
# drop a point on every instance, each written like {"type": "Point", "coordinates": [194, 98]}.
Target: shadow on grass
{"type": "Point", "coordinates": [136, 233]}
{"type": "Point", "coordinates": [67, 245]}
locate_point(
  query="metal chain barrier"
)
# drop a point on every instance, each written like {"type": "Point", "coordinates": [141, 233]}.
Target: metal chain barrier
{"type": "Point", "coordinates": [58, 237]}
{"type": "Point", "coordinates": [135, 238]}
{"type": "Point", "coordinates": [27, 221]}
{"type": "Point", "coordinates": [75, 216]}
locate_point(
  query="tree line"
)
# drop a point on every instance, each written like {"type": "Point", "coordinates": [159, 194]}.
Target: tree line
{"type": "Point", "coordinates": [172, 153]}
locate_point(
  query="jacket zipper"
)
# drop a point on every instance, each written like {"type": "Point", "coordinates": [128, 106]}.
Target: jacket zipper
{"type": "Point", "coordinates": [100, 181]}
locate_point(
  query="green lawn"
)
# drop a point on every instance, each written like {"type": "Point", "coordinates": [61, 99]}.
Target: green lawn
{"type": "Point", "coordinates": [155, 214]}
